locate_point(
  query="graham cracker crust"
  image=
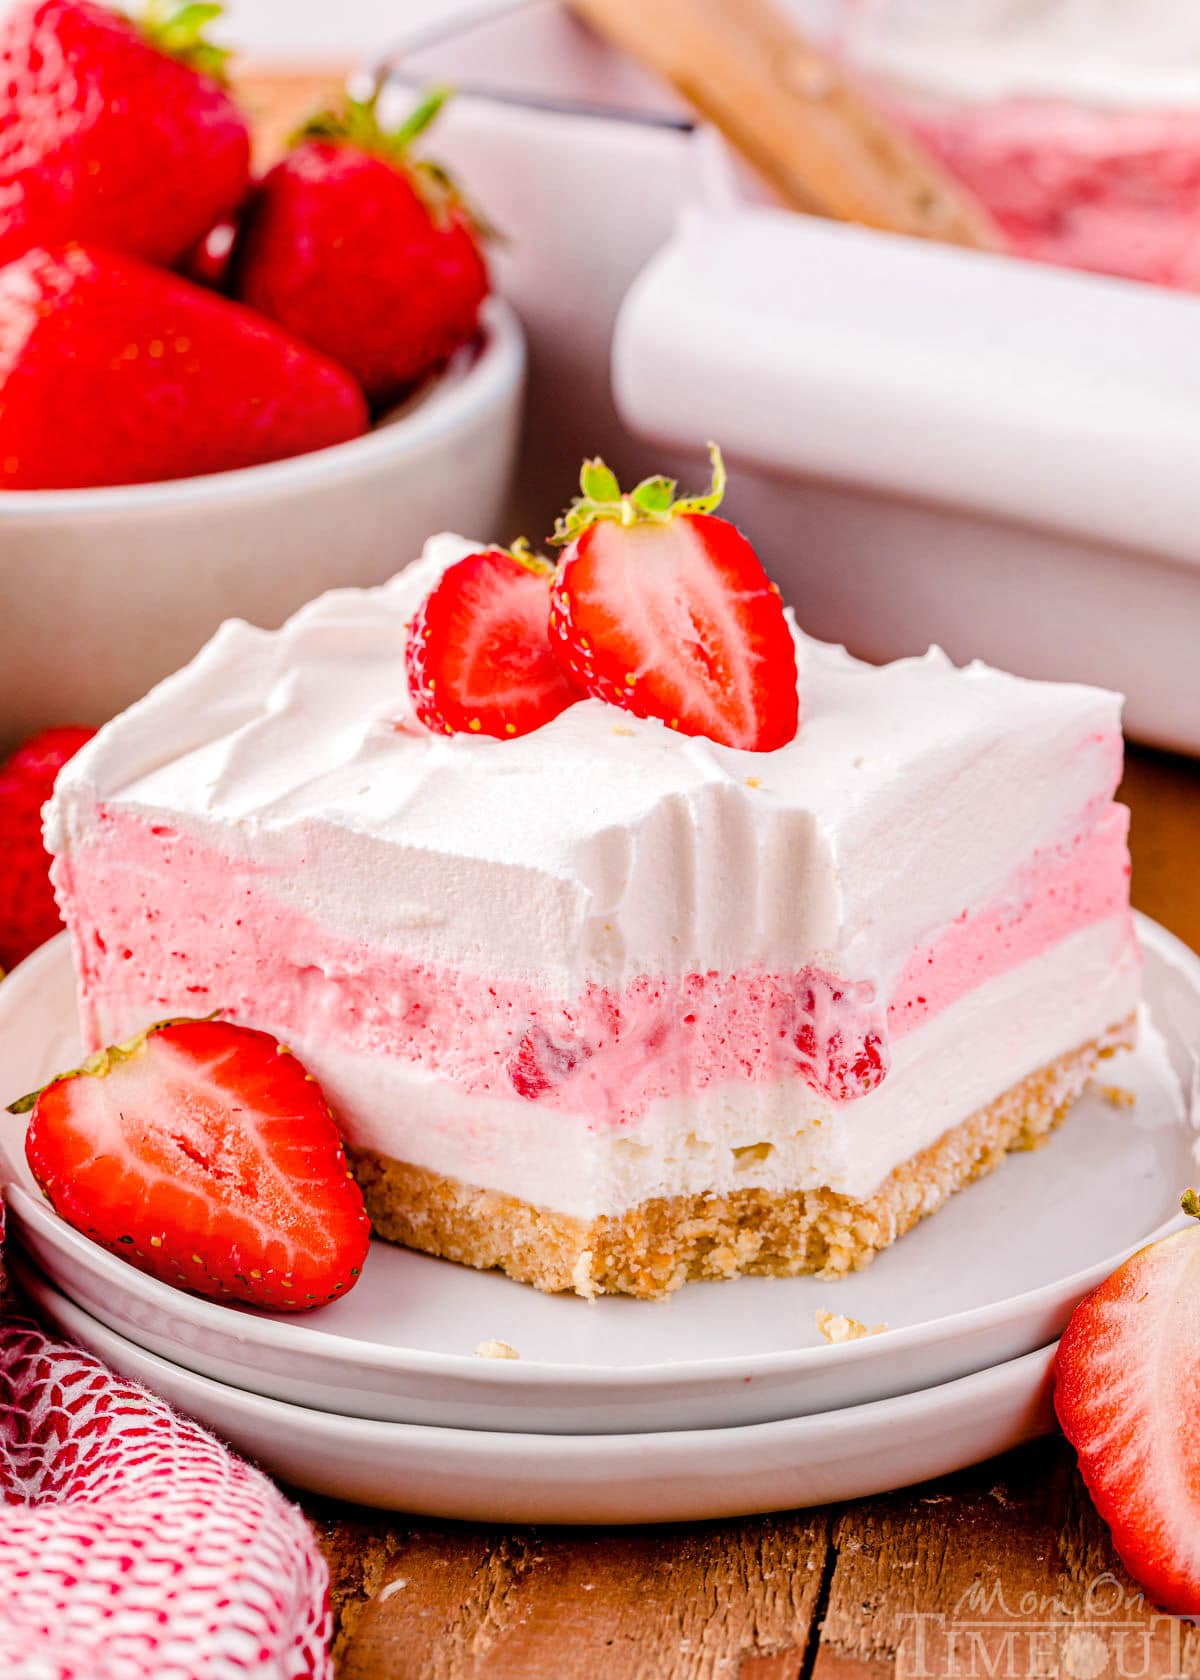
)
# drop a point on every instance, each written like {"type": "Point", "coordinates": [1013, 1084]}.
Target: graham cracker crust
{"type": "Point", "coordinates": [654, 1248]}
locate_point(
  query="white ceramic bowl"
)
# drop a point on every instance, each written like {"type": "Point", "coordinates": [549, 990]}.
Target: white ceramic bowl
{"type": "Point", "coordinates": [103, 592]}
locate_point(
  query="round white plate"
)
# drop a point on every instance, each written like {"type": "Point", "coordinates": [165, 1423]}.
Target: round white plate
{"type": "Point", "coordinates": [992, 1276]}
{"type": "Point", "coordinates": [679, 1475]}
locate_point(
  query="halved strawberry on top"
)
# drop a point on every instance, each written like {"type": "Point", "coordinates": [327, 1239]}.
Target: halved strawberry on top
{"type": "Point", "coordinates": [478, 655]}
{"type": "Point", "coordinates": [663, 608]}
{"type": "Point", "coordinates": [1127, 1393]}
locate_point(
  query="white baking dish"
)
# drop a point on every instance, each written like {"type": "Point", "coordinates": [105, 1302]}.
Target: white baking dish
{"type": "Point", "coordinates": [936, 445]}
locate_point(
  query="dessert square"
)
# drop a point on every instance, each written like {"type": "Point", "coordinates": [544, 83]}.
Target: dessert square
{"type": "Point", "coordinates": [607, 1006]}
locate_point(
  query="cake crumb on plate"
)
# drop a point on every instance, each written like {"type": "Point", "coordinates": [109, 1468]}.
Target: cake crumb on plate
{"type": "Point", "coordinates": [494, 1349]}
{"type": "Point", "coordinates": [836, 1328]}
{"type": "Point", "coordinates": [1117, 1096]}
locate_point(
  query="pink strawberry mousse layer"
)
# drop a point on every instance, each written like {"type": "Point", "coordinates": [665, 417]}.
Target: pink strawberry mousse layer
{"type": "Point", "coordinates": [1115, 192]}
{"type": "Point", "coordinates": [160, 937]}
{"type": "Point", "coordinates": [1076, 122]}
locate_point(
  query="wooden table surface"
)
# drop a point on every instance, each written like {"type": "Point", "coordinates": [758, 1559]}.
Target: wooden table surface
{"type": "Point", "coordinates": [1001, 1573]}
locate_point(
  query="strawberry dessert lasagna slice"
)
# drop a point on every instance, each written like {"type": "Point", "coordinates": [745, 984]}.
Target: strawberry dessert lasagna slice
{"type": "Point", "coordinates": [607, 1003]}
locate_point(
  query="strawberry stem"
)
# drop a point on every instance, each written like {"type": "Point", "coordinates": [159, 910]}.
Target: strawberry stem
{"type": "Point", "coordinates": [178, 30]}
{"type": "Point", "coordinates": [357, 121]}
{"type": "Point", "coordinates": [652, 502]}
{"type": "Point", "coordinates": [524, 555]}
{"type": "Point", "coordinates": [419, 118]}
{"type": "Point", "coordinates": [1190, 1203]}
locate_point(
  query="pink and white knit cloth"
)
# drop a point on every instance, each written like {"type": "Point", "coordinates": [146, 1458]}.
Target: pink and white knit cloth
{"type": "Point", "coordinates": [133, 1546]}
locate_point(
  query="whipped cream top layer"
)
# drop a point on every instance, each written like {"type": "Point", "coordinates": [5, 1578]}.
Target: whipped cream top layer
{"type": "Point", "coordinates": [1122, 53]}
{"type": "Point", "coordinates": [602, 845]}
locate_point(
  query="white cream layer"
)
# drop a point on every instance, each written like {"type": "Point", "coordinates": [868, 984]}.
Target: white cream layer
{"type": "Point", "coordinates": [602, 846]}
{"type": "Point", "coordinates": [942, 1072]}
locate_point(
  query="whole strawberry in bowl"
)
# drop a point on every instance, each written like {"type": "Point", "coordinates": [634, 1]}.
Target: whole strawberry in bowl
{"type": "Point", "coordinates": [114, 129]}
{"type": "Point", "coordinates": [115, 372]}
{"type": "Point", "coordinates": [170, 456]}
{"type": "Point", "coordinates": [364, 249]}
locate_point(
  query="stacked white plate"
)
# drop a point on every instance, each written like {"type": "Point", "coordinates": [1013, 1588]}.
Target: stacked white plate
{"type": "Point", "coordinates": [722, 1401]}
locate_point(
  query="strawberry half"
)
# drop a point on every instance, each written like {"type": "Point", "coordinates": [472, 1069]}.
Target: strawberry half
{"type": "Point", "coordinates": [204, 1154]}
{"type": "Point", "coordinates": [662, 608]}
{"type": "Point", "coordinates": [1128, 1377]}
{"type": "Point", "coordinates": [478, 653]}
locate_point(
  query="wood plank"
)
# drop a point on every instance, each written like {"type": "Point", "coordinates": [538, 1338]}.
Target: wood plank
{"type": "Point", "coordinates": [1163, 792]}
{"type": "Point", "coordinates": [1002, 1571]}
{"type": "Point", "coordinates": [715, 1601]}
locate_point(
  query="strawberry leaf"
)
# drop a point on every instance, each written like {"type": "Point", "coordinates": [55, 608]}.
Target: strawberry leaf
{"type": "Point", "coordinates": [103, 1061]}
{"type": "Point", "coordinates": [524, 555]}
{"type": "Point", "coordinates": [715, 495]}
{"type": "Point", "coordinates": [598, 482]}
{"type": "Point", "coordinates": [179, 32]}
{"type": "Point", "coordinates": [653, 501]}
{"type": "Point", "coordinates": [418, 119]}
{"type": "Point", "coordinates": [356, 121]}
{"type": "Point", "coordinates": [654, 495]}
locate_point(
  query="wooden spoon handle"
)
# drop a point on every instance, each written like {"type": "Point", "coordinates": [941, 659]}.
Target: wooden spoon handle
{"type": "Point", "coordinates": [793, 115]}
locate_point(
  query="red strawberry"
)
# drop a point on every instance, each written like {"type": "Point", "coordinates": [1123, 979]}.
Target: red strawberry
{"type": "Point", "coordinates": [114, 133]}
{"type": "Point", "coordinates": [207, 263]}
{"type": "Point", "coordinates": [1128, 1381]}
{"type": "Point", "coordinates": [842, 1067]}
{"type": "Point", "coordinates": [112, 372]}
{"type": "Point", "coordinates": [540, 1063]}
{"type": "Point", "coordinates": [665, 610]}
{"type": "Point", "coordinates": [360, 250]}
{"type": "Point", "coordinates": [203, 1154]}
{"type": "Point", "coordinates": [478, 654]}
{"type": "Point", "coordinates": [28, 913]}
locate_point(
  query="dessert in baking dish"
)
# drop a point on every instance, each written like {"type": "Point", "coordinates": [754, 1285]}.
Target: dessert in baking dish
{"type": "Point", "coordinates": [604, 1004]}
{"type": "Point", "coordinates": [1077, 122]}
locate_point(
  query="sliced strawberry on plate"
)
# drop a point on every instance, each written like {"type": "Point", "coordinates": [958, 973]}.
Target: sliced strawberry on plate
{"type": "Point", "coordinates": [662, 608]}
{"type": "Point", "coordinates": [1128, 1397]}
{"type": "Point", "coordinates": [478, 653]}
{"type": "Point", "coordinates": [204, 1154]}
